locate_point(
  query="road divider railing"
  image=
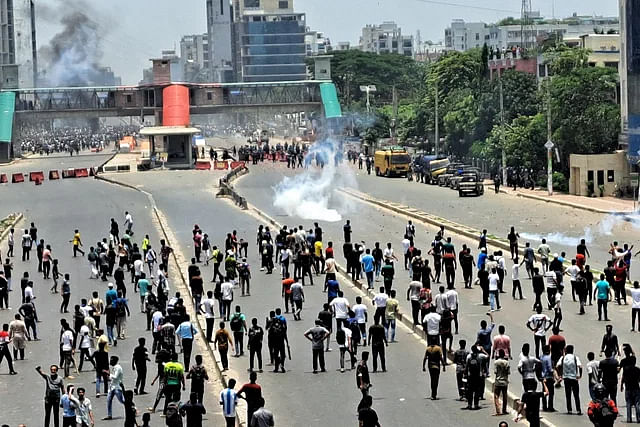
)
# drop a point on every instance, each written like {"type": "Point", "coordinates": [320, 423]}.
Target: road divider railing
{"type": "Point", "coordinates": [226, 188]}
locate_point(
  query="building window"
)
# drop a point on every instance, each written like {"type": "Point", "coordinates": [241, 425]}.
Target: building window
{"type": "Point", "coordinates": [600, 178]}
{"type": "Point", "coordinates": [129, 99]}
{"type": "Point", "coordinates": [477, 36]}
{"type": "Point", "coordinates": [251, 3]}
{"type": "Point", "coordinates": [542, 71]}
{"type": "Point", "coordinates": [610, 176]}
{"type": "Point", "coordinates": [283, 4]}
{"type": "Point", "coordinates": [209, 96]}
{"type": "Point", "coordinates": [222, 7]}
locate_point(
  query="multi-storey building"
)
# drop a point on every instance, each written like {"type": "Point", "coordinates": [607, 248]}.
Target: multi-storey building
{"type": "Point", "coordinates": [386, 38]}
{"type": "Point", "coordinates": [18, 53]}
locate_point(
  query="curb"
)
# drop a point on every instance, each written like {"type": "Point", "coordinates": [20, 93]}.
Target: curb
{"type": "Point", "coordinates": [405, 320]}
{"type": "Point", "coordinates": [194, 318]}
{"type": "Point", "coordinates": [19, 217]}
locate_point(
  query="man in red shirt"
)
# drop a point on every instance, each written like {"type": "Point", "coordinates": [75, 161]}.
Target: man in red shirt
{"type": "Point", "coordinates": [557, 344]}
{"type": "Point", "coordinates": [501, 342]}
{"type": "Point", "coordinates": [286, 292]}
{"type": "Point", "coordinates": [252, 393]}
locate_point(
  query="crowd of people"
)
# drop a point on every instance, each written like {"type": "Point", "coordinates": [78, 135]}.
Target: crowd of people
{"type": "Point", "coordinates": [71, 139]}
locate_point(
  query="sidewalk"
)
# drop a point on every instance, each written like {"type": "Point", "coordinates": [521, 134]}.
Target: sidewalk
{"type": "Point", "coordinates": [606, 205]}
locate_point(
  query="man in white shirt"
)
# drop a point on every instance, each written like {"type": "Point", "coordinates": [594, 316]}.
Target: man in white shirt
{"type": "Point", "coordinates": [227, 297]}
{"type": "Point", "coordinates": [515, 277]}
{"type": "Point", "coordinates": [380, 303]}
{"type": "Point", "coordinates": [156, 321]}
{"type": "Point", "coordinates": [388, 255]}
{"type": "Point", "coordinates": [431, 323]}
{"type": "Point", "coordinates": [138, 265]}
{"type": "Point", "coordinates": [635, 305]}
{"type": "Point", "coordinates": [494, 292]}
{"type": "Point", "coordinates": [84, 344]}
{"type": "Point", "coordinates": [206, 307]}
{"type": "Point", "coordinates": [440, 301]}
{"type": "Point", "coordinates": [115, 386]}
{"type": "Point", "coordinates": [67, 346]}
{"type": "Point", "coordinates": [452, 304]}
{"type": "Point", "coordinates": [552, 287]}
{"type": "Point", "coordinates": [340, 308]}
{"type": "Point", "coordinates": [406, 243]}
{"type": "Point", "coordinates": [539, 324]}
{"type": "Point", "coordinates": [360, 311]}
{"type": "Point", "coordinates": [128, 222]}
{"type": "Point", "coordinates": [572, 272]}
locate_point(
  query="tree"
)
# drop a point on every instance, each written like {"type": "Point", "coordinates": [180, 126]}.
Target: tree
{"type": "Point", "coordinates": [520, 93]}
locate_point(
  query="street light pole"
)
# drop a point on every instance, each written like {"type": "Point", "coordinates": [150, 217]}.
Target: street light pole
{"type": "Point", "coordinates": [549, 146]}
{"type": "Point", "coordinates": [437, 136]}
{"type": "Point", "coordinates": [504, 153]}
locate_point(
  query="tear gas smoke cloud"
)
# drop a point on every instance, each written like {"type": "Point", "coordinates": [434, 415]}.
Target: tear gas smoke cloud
{"type": "Point", "coordinates": [309, 194]}
{"type": "Point", "coordinates": [73, 56]}
{"type": "Point", "coordinates": [604, 228]}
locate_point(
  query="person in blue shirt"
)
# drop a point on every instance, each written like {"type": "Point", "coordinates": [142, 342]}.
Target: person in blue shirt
{"type": "Point", "coordinates": [186, 331]}
{"type": "Point", "coordinates": [547, 377]}
{"type": "Point", "coordinates": [332, 287]}
{"type": "Point", "coordinates": [111, 295]}
{"type": "Point", "coordinates": [229, 400]}
{"type": "Point", "coordinates": [68, 408]}
{"type": "Point", "coordinates": [143, 287]}
{"type": "Point", "coordinates": [482, 258]}
{"type": "Point", "coordinates": [602, 293]}
{"type": "Point", "coordinates": [368, 266]}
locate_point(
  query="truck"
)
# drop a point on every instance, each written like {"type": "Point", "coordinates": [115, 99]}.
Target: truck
{"type": "Point", "coordinates": [392, 161]}
{"type": "Point", "coordinates": [470, 183]}
{"type": "Point", "coordinates": [431, 166]}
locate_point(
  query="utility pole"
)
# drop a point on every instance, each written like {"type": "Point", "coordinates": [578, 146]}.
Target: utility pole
{"type": "Point", "coordinates": [394, 121]}
{"type": "Point", "coordinates": [437, 135]}
{"type": "Point", "coordinates": [549, 145]}
{"type": "Point", "coordinates": [502, 140]}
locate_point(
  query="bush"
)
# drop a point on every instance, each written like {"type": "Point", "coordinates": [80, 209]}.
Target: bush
{"type": "Point", "coordinates": [560, 182]}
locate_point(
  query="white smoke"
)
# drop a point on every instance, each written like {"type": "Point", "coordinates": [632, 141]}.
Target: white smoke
{"type": "Point", "coordinates": [604, 228]}
{"type": "Point", "coordinates": [309, 194]}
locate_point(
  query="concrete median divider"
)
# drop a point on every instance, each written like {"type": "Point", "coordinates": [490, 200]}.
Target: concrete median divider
{"type": "Point", "coordinates": [54, 174]}
{"type": "Point", "coordinates": [220, 166]}
{"type": "Point", "coordinates": [35, 176]}
{"type": "Point", "coordinates": [226, 189]}
{"type": "Point", "coordinates": [17, 177]}
{"type": "Point", "coordinates": [81, 173]}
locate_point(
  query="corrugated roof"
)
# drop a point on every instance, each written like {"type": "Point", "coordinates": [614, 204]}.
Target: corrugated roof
{"type": "Point", "coordinates": [168, 130]}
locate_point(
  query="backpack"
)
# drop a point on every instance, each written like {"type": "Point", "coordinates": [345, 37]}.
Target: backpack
{"type": "Point", "coordinates": [120, 310]}
{"type": "Point", "coordinates": [340, 337]}
{"type": "Point", "coordinates": [255, 335]}
{"type": "Point", "coordinates": [602, 412]}
{"type": "Point", "coordinates": [236, 323]}
{"type": "Point", "coordinates": [219, 257]}
{"type": "Point", "coordinates": [277, 328]}
{"type": "Point", "coordinates": [355, 332]}
{"type": "Point", "coordinates": [92, 257]}
{"type": "Point", "coordinates": [473, 366]}
{"type": "Point", "coordinates": [197, 374]}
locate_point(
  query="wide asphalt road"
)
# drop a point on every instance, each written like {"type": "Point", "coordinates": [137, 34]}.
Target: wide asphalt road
{"type": "Point", "coordinates": [299, 397]}
{"type": "Point", "coordinates": [371, 224]}
{"type": "Point", "coordinates": [57, 208]}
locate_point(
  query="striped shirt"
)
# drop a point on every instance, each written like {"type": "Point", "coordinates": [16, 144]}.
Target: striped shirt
{"type": "Point", "coordinates": [228, 400]}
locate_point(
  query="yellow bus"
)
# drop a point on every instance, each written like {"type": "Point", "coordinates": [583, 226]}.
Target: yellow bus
{"type": "Point", "coordinates": [393, 161]}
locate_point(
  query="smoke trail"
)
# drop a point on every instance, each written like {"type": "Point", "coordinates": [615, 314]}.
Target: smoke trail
{"type": "Point", "coordinates": [309, 194]}
{"type": "Point", "coordinates": [604, 228]}
{"type": "Point", "coordinates": [73, 56]}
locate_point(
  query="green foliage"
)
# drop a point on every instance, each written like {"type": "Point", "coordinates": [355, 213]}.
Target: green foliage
{"type": "Point", "coordinates": [564, 60]}
{"type": "Point", "coordinates": [351, 69]}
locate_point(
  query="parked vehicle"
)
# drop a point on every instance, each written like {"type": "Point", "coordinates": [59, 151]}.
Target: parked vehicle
{"type": "Point", "coordinates": [471, 184]}
{"type": "Point", "coordinates": [455, 181]}
{"type": "Point", "coordinates": [393, 161]}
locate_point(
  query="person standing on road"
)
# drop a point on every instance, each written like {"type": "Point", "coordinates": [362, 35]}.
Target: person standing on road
{"type": "Point", "coordinates": [317, 335]}
{"type": "Point", "coordinates": [174, 377]}
{"type": "Point", "coordinates": [513, 237]}
{"type": "Point", "coordinates": [501, 384]}
{"type": "Point", "coordinates": [548, 378]}
{"type": "Point", "coordinates": [254, 344]}
{"type": "Point", "coordinates": [115, 386]}
{"type": "Point", "coordinates": [391, 313]}
{"type": "Point", "coordinates": [221, 342]}
{"type": "Point", "coordinates": [635, 305]}
{"type": "Point", "coordinates": [238, 324]}
{"type": "Point", "coordinates": [297, 295]}
{"type": "Point", "coordinates": [227, 298]}
{"type": "Point", "coordinates": [206, 307]}
{"type": "Point", "coordinates": [544, 250]}
{"type": "Point", "coordinates": [229, 400]}
{"type": "Point", "coordinates": [26, 245]}
{"type": "Point", "coordinates": [528, 366]}
{"type": "Point", "coordinates": [198, 375]}
{"type": "Point", "coordinates": [602, 293]}
{"type": "Point", "coordinates": [378, 341]}
{"type": "Point", "coordinates": [475, 377]}
{"type": "Point", "coordinates": [539, 324]}
{"type": "Point", "coordinates": [529, 259]}
{"type": "Point", "coordinates": [139, 364]}
{"type": "Point", "coordinates": [10, 242]}
{"type": "Point", "coordinates": [54, 387]}
{"type": "Point", "coordinates": [529, 405]}
{"type": "Point", "coordinates": [368, 266]}
{"type": "Point", "coordinates": [413, 295]}
{"type": "Point", "coordinates": [5, 340]}
{"type": "Point", "coordinates": [186, 332]}
{"type": "Point", "coordinates": [608, 369]}
{"type": "Point", "coordinates": [380, 303]}
{"type": "Point", "coordinates": [494, 296]}
{"type": "Point", "coordinates": [569, 370]}
{"type": "Point", "coordinates": [434, 355]}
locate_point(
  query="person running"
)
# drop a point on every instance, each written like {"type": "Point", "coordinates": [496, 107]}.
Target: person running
{"type": "Point", "coordinates": [115, 386]}
{"type": "Point", "coordinates": [77, 243]}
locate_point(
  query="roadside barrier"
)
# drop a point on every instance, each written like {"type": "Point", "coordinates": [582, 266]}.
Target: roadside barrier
{"type": "Point", "coordinates": [69, 173]}
{"type": "Point", "coordinates": [3, 178]}
{"type": "Point", "coordinates": [34, 176]}
{"type": "Point", "coordinates": [81, 173]}
{"type": "Point", "coordinates": [54, 174]}
{"type": "Point", "coordinates": [203, 165]}
{"type": "Point", "coordinates": [17, 177]}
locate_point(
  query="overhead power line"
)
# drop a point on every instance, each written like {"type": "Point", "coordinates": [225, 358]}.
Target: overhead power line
{"type": "Point", "coordinates": [467, 6]}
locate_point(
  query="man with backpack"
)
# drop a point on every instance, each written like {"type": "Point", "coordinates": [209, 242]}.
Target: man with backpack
{"type": "Point", "coordinates": [198, 375]}
{"type": "Point", "coordinates": [277, 333]}
{"type": "Point", "coordinates": [602, 411]}
{"type": "Point", "coordinates": [256, 335]}
{"type": "Point", "coordinates": [238, 325]}
{"type": "Point", "coordinates": [217, 256]}
{"type": "Point", "coordinates": [245, 277]}
{"type": "Point", "coordinates": [475, 377]}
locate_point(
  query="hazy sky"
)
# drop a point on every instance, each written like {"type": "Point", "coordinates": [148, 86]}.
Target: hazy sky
{"type": "Point", "coordinates": [136, 30]}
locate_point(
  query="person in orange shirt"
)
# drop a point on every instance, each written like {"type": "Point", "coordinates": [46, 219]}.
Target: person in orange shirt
{"type": "Point", "coordinates": [286, 292]}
